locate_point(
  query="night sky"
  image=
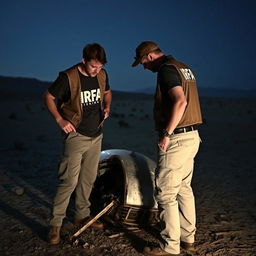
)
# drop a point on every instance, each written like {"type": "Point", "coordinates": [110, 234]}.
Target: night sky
{"type": "Point", "coordinates": [216, 38]}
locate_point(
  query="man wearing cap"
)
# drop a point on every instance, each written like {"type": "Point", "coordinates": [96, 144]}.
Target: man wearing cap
{"type": "Point", "coordinates": [177, 115]}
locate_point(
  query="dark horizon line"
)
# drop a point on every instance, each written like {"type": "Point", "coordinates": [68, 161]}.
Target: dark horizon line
{"type": "Point", "coordinates": [142, 89]}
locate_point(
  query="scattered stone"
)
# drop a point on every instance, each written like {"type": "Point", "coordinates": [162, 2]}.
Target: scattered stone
{"type": "Point", "coordinates": [91, 246]}
{"type": "Point", "coordinates": [85, 245]}
{"type": "Point", "coordinates": [76, 242]}
{"type": "Point", "coordinates": [66, 246]}
{"type": "Point", "coordinates": [116, 235]}
{"type": "Point", "coordinates": [18, 190]}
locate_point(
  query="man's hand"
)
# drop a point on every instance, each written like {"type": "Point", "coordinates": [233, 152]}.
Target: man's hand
{"type": "Point", "coordinates": [66, 126]}
{"type": "Point", "coordinates": [106, 112]}
{"type": "Point", "coordinates": [163, 143]}
{"type": "Point", "coordinates": [107, 103]}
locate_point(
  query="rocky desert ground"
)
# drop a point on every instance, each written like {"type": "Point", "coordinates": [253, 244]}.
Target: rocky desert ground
{"type": "Point", "coordinates": [224, 179]}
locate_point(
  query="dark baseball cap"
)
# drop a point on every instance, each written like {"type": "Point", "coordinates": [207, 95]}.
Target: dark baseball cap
{"type": "Point", "coordinates": [143, 49]}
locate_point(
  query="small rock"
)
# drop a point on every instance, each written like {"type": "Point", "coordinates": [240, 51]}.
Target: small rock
{"type": "Point", "coordinates": [66, 246]}
{"type": "Point", "coordinates": [91, 246]}
{"type": "Point", "coordinates": [85, 245]}
{"type": "Point", "coordinates": [18, 190]}
{"type": "Point", "coordinates": [76, 242]}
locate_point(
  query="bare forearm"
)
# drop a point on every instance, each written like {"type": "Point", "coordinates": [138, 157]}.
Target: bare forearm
{"type": "Point", "coordinates": [107, 103]}
{"type": "Point", "coordinates": [176, 115]}
{"type": "Point", "coordinates": [179, 105]}
{"type": "Point", "coordinates": [107, 99]}
{"type": "Point", "coordinates": [51, 106]}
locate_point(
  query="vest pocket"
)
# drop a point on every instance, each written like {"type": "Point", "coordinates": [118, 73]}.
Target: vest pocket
{"type": "Point", "coordinates": [70, 115]}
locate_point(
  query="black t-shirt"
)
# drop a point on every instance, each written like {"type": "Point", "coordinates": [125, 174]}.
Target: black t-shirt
{"type": "Point", "coordinates": [168, 77]}
{"type": "Point", "coordinates": [90, 99]}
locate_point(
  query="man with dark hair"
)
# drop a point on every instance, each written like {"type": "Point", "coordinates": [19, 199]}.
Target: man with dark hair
{"type": "Point", "coordinates": [177, 115]}
{"type": "Point", "coordinates": [84, 99]}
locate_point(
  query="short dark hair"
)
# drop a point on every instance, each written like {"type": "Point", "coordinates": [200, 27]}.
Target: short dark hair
{"type": "Point", "coordinates": [94, 51]}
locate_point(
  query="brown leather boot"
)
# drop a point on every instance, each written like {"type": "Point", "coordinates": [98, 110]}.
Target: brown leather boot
{"type": "Point", "coordinates": [157, 251]}
{"type": "Point", "coordinates": [96, 225]}
{"type": "Point", "coordinates": [190, 247]}
{"type": "Point", "coordinates": [54, 235]}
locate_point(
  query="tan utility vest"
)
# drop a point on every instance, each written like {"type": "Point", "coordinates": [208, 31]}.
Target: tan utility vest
{"type": "Point", "coordinates": [72, 109]}
{"type": "Point", "coordinates": [163, 105]}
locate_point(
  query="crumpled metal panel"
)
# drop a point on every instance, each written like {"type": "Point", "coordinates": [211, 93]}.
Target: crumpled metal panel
{"type": "Point", "coordinates": [138, 174]}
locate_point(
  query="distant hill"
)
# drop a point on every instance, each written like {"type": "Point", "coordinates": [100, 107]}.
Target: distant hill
{"type": "Point", "coordinates": [214, 92]}
{"type": "Point", "coordinates": [226, 93]}
{"type": "Point", "coordinates": [19, 86]}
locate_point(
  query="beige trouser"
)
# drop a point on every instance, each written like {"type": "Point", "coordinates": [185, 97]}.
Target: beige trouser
{"type": "Point", "coordinates": [77, 171]}
{"type": "Point", "coordinates": [174, 193]}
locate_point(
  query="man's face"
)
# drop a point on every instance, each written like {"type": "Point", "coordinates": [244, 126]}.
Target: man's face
{"type": "Point", "coordinates": [149, 64]}
{"type": "Point", "coordinates": [92, 67]}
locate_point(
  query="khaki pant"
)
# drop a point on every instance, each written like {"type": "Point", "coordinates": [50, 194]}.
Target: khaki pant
{"type": "Point", "coordinates": [174, 193]}
{"type": "Point", "coordinates": [77, 171]}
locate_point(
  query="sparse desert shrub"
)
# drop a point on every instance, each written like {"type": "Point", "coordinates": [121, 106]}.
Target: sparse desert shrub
{"type": "Point", "coordinates": [123, 124]}
{"type": "Point", "coordinates": [13, 116]}
{"type": "Point", "coordinates": [40, 137]}
{"type": "Point", "coordinates": [114, 115]}
{"type": "Point", "coordinates": [117, 115]}
{"type": "Point", "coordinates": [28, 108]}
{"type": "Point", "coordinates": [145, 117]}
{"type": "Point", "coordinates": [19, 145]}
